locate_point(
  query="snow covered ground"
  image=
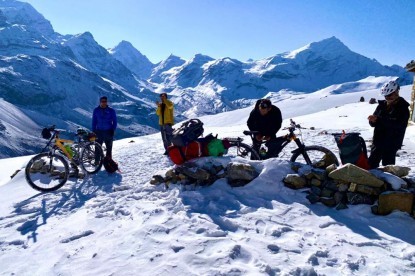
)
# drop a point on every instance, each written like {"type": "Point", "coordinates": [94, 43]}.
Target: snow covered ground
{"type": "Point", "coordinates": [121, 225]}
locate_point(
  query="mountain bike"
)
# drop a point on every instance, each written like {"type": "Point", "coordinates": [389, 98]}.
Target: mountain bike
{"type": "Point", "coordinates": [49, 170]}
{"type": "Point", "coordinates": [316, 156]}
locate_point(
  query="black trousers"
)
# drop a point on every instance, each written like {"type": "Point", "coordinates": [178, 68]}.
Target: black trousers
{"type": "Point", "coordinates": [378, 153]}
{"type": "Point", "coordinates": [107, 137]}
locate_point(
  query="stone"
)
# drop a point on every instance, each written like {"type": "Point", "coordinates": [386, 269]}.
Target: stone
{"type": "Point", "coordinates": [170, 173]}
{"type": "Point", "coordinates": [352, 173]}
{"type": "Point", "coordinates": [55, 173]}
{"type": "Point", "coordinates": [308, 175]}
{"type": "Point", "coordinates": [313, 198]}
{"type": "Point", "coordinates": [341, 206]}
{"type": "Point", "coordinates": [356, 198]}
{"type": "Point", "coordinates": [398, 171]}
{"type": "Point", "coordinates": [328, 201]}
{"type": "Point", "coordinates": [340, 197]}
{"type": "Point", "coordinates": [315, 182]}
{"type": "Point", "coordinates": [373, 101]}
{"type": "Point", "coordinates": [157, 179]}
{"type": "Point", "coordinates": [362, 99]}
{"type": "Point", "coordinates": [319, 174]}
{"type": "Point", "coordinates": [342, 187]}
{"type": "Point", "coordinates": [410, 182]}
{"type": "Point", "coordinates": [239, 174]}
{"type": "Point", "coordinates": [44, 169]}
{"type": "Point", "coordinates": [331, 168]}
{"type": "Point", "coordinates": [37, 165]}
{"type": "Point", "coordinates": [356, 188]}
{"type": "Point", "coordinates": [295, 166]}
{"type": "Point", "coordinates": [193, 171]}
{"type": "Point", "coordinates": [390, 201]}
{"type": "Point", "coordinates": [331, 185]}
{"type": "Point", "coordinates": [394, 182]}
{"type": "Point", "coordinates": [315, 190]}
{"type": "Point", "coordinates": [327, 160]}
{"type": "Point", "coordinates": [327, 193]}
{"type": "Point", "coordinates": [295, 181]}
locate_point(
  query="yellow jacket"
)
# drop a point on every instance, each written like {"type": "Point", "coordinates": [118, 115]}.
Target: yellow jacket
{"type": "Point", "coordinates": [168, 113]}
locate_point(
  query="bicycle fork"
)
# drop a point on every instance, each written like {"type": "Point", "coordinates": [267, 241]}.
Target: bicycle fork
{"type": "Point", "coordinates": [301, 150]}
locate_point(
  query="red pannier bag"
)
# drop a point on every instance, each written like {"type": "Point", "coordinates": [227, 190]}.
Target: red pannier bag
{"type": "Point", "coordinates": [179, 155]}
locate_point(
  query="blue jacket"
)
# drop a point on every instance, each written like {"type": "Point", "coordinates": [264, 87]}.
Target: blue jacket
{"type": "Point", "coordinates": [104, 119]}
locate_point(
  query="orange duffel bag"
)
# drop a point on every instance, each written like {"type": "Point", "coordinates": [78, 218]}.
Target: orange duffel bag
{"type": "Point", "coordinates": [179, 155]}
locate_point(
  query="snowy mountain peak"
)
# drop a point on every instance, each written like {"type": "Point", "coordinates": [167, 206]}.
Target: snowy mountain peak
{"type": "Point", "coordinates": [22, 13]}
{"type": "Point", "coordinates": [86, 36]}
{"type": "Point", "coordinates": [170, 62]}
{"type": "Point", "coordinates": [123, 45]}
{"type": "Point", "coordinates": [331, 45]}
{"type": "Point", "coordinates": [200, 59]}
{"type": "Point", "coordinates": [133, 59]}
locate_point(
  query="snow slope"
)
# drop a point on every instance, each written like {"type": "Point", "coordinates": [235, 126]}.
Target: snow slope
{"type": "Point", "coordinates": [121, 225]}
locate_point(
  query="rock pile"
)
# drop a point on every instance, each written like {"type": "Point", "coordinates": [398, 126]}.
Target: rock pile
{"type": "Point", "coordinates": [389, 186]}
{"type": "Point", "coordinates": [40, 166]}
{"type": "Point", "coordinates": [237, 174]}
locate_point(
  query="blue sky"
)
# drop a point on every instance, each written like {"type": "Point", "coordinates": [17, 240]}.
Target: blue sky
{"type": "Point", "coordinates": [242, 29]}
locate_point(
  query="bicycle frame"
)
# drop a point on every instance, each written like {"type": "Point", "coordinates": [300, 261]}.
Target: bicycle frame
{"type": "Point", "coordinates": [59, 143]}
{"type": "Point", "coordinates": [290, 137]}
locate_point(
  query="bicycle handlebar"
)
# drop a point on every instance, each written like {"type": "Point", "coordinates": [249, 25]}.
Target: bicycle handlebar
{"type": "Point", "coordinates": [292, 127]}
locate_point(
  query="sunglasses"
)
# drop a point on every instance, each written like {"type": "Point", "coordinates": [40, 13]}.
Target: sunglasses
{"type": "Point", "coordinates": [104, 101]}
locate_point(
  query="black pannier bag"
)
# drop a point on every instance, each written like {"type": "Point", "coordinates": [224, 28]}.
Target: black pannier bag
{"type": "Point", "coordinates": [352, 149]}
{"type": "Point", "coordinates": [110, 165]}
{"type": "Point", "coordinates": [189, 131]}
{"type": "Point", "coordinates": [46, 133]}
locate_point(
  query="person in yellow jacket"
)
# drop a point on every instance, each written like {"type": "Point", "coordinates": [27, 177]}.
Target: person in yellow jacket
{"type": "Point", "coordinates": [165, 110]}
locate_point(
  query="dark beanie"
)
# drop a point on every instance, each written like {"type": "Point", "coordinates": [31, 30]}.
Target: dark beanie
{"type": "Point", "coordinates": [103, 98]}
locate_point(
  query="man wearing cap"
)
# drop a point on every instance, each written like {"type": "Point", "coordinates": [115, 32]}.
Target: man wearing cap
{"type": "Point", "coordinates": [104, 123]}
{"type": "Point", "coordinates": [390, 120]}
{"type": "Point", "coordinates": [266, 119]}
{"type": "Point", "coordinates": [166, 119]}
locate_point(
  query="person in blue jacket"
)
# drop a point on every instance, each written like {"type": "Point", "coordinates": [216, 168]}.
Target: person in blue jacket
{"type": "Point", "coordinates": [104, 123]}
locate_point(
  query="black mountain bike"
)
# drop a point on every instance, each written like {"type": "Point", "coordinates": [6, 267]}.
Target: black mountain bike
{"type": "Point", "coordinates": [316, 156]}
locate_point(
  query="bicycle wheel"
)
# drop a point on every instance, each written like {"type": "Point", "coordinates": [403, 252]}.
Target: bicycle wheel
{"type": "Point", "coordinates": [316, 156]}
{"type": "Point", "coordinates": [92, 157]}
{"type": "Point", "coordinates": [242, 150]}
{"type": "Point", "coordinates": [46, 172]}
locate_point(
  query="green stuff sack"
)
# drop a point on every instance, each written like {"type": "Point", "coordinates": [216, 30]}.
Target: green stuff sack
{"type": "Point", "coordinates": [215, 147]}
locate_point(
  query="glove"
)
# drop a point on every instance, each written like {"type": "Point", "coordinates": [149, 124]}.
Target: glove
{"type": "Point", "coordinates": [259, 137]}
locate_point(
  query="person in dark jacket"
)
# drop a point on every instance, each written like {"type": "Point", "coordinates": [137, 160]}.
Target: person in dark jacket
{"type": "Point", "coordinates": [390, 120]}
{"type": "Point", "coordinates": [266, 119]}
{"type": "Point", "coordinates": [104, 124]}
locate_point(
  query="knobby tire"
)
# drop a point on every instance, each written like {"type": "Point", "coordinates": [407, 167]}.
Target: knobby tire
{"type": "Point", "coordinates": [45, 156]}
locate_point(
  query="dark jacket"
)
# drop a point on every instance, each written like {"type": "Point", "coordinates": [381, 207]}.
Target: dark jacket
{"type": "Point", "coordinates": [267, 125]}
{"type": "Point", "coordinates": [391, 124]}
{"type": "Point", "coordinates": [104, 119]}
